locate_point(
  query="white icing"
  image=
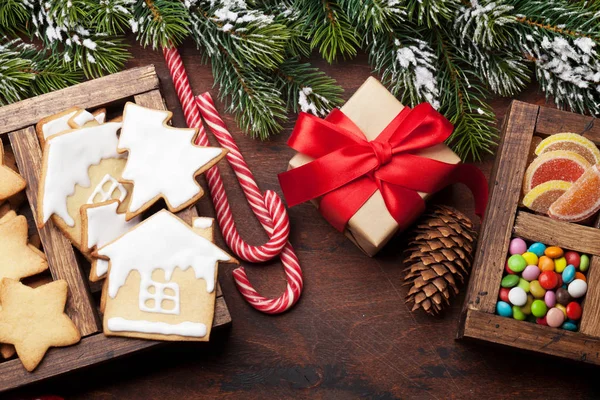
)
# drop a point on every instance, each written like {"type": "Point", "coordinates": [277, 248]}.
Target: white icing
{"type": "Point", "coordinates": [161, 160]}
{"type": "Point", "coordinates": [83, 118]}
{"type": "Point", "coordinates": [100, 118]}
{"type": "Point", "coordinates": [202, 222]}
{"type": "Point", "coordinates": [57, 125]}
{"type": "Point", "coordinates": [101, 267]}
{"type": "Point", "coordinates": [164, 242]}
{"type": "Point", "coordinates": [192, 329]}
{"type": "Point", "coordinates": [107, 195]}
{"type": "Point", "coordinates": [104, 224]}
{"type": "Point", "coordinates": [69, 157]}
{"type": "Point", "coordinates": [158, 296]}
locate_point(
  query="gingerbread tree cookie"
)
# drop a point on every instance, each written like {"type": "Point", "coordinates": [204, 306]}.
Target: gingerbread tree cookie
{"type": "Point", "coordinates": [11, 183]}
{"type": "Point", "coordinates": [33, 320]}
{"type": "Point", "coordinates": [163, 162]}
{"type": "Point", "coordinates": [18, 259]}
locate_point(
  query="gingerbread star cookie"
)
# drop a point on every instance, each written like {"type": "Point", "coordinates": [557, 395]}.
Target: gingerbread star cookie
{"type": "Point", "coordinates": [18, 259]}
{"type": "Point", "coordinates": [33, 320]}
{"type": "Point", "coordinates": [163, 161]}
{"type": "Point", "coordinates": [11, 183]}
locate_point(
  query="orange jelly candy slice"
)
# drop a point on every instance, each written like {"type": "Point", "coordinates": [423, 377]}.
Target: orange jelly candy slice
{"type": "Point", "coordinates": [570, 142]}
{"type": "Point", "coordinates": [558, 165]}
{"type": "Point", "coordinates": [581, 201]}
{"type": "Point", "coordinates": [541, 197]}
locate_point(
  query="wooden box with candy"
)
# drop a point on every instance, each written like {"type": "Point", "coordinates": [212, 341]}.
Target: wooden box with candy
{"type": "Point", "coordinates": [538, 257]}
{"type": "Point", "coordinates": [17, 129]}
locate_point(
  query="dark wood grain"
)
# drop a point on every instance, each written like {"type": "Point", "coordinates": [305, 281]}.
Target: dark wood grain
{"type": "Point", "coordinates": [539, 228]}
{"type": "Point", "coordinates": [351, 335]}
{"type": "Point", "coordinates": [90, 94]}
{"type": "Point", "coordinates": [61, 256]}
{"type": "Point", "coordinates": [505, 183]}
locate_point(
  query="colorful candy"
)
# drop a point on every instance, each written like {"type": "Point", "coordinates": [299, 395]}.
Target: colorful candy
{"type": "Point", "coordinates": [536, 289]}
{"type": "Point", "coordinates": [577, 288]}
{"type": "Point", "coordinates": [504, 309]}
{"type": "Point", "coordinates": [545, 263]}
{"type": "Point", "coordinates": [537, 248]}
{"type": "Point", "coordinates": [555, 317]}
{"type": "Point", "coordinates": [573, 258]}
{"type": "Point", "coordinates": [548, 280]}
{"type": "Point", "coordinates": [560, 264]}
{"type": "Point", "coordinates": [543, 285]}
{"type": "Point", "coordinates": [517, 263]}
{"type": "Point", "coordinates": [517, 246]}
{"type": "Point", "coordinates": [574, 310]}
{"type": "Point", "coordinates": [517, 296]}
{"type": "Point", "coordinates": [584, 263]}
{"type": "Point", "coordinates": [531, 273]}
{"type": "Point", "coordinates": [510, 281]}
{"type": "Point", "coordinates": [568, 274]}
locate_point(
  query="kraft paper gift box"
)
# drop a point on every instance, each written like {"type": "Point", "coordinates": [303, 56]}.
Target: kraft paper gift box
{"type": "Point", "coordinates": [372, 107]}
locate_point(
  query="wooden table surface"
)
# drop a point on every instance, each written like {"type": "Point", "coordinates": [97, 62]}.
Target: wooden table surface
{"type": "Point", "coordinates": [350, 336]}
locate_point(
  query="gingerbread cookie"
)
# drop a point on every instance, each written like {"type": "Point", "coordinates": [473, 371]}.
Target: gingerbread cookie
{"type": "Point", "coordinates": [80, 167]}
{"type": "Point", "coordinates": [33, 320]}
{"type": "Point", "coordinates": [161, 281]}
{"type": "Point", "coordinates": [102, 224]}
{"type": "Point", "coordinates": [162, 162]}
{"type": "Point", "coordinates": [18, 259]}
{"type": "Point", "coordinates": [74, 117]}
{"type": "Point", "coordinates": [11, 183]}
{"type": "Point", "coordinates": [84, 118]}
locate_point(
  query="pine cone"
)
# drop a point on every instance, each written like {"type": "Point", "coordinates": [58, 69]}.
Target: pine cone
{"type": "Point", "coordinates": [440, 252]}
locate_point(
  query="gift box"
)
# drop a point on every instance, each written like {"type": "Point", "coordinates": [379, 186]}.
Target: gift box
{"type": "Point", "coordinates": [371, 111]}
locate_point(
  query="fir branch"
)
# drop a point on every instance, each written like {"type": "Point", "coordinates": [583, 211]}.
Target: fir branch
{"type": "Point", "coordinates": [374, 15]}
{"type": "Point", "coordinates": [252, 37]}
{"type": "Point", "coordinates": [485, 23]}
{"type": "Point", "coordinates": [113, 16]}
{"type": "Point", "coordinates": [503, 72]}
{"type": "Point", "coordinates": [160, 23]}
{"type": "Point", "coordinates": [306, 88]}
{"type": "Point", "coordinates": [407, 66]}
{"type": "Point", "coordinates": [13, 16]}
{"type": "Point", "coordinates": [429, 12]}
{"type": "Point", "coordinates": [329, 29]}
{"type": "Point", "coordinates": [462, 99]}
{"type": "Point", "coordinates": [251, 93]}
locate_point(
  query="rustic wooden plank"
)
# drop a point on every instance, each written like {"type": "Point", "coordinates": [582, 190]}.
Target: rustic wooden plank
{"type": "Point", "coordinates": [89, 94]}
{"type": "Point", "coordinates": [92, 350]}
{"type": "Point", "coordinates": [551, 121]}
{"type": "Point", "coordinates": [590, 320]}
{"type": "Point", "coordinates": [154, 99]}
{"type": "Point", "coordinates": [505, 181]}
{"type": "Point", "coordinates": [539, 228]}
{"type": "Point", "coordinates": [528, 336]}
{"type": "Point", "coordinates": [61, 258]}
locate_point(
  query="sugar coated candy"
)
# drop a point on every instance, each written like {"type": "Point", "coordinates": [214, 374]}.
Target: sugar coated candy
{"type": "Point", "coordinates": [555, 165]}
{"type": "Point", "coordinates": [581, 201]}
{"type": "Point", "coordinates": [570, 142]}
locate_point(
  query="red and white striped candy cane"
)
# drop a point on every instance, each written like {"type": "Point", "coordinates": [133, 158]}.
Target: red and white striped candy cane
{"type": "Point", "coordinates": [269, 209]}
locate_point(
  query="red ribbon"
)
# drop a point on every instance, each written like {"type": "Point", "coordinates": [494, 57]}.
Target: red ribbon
{"type": "Point", "coordinates": [348, 169]}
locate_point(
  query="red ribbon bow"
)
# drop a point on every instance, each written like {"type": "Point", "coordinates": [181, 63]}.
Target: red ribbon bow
{"type": "Point", "coordinates": [348, 169]}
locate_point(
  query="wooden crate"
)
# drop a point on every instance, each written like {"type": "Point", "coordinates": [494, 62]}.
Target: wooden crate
{"type": "Point", "coordinates": [17, 121]}
{"type": "Point", "coordinates": [505, 219]}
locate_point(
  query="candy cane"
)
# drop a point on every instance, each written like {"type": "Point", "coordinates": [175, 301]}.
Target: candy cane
{"type": "Point", "coordinates": [269, 209]}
